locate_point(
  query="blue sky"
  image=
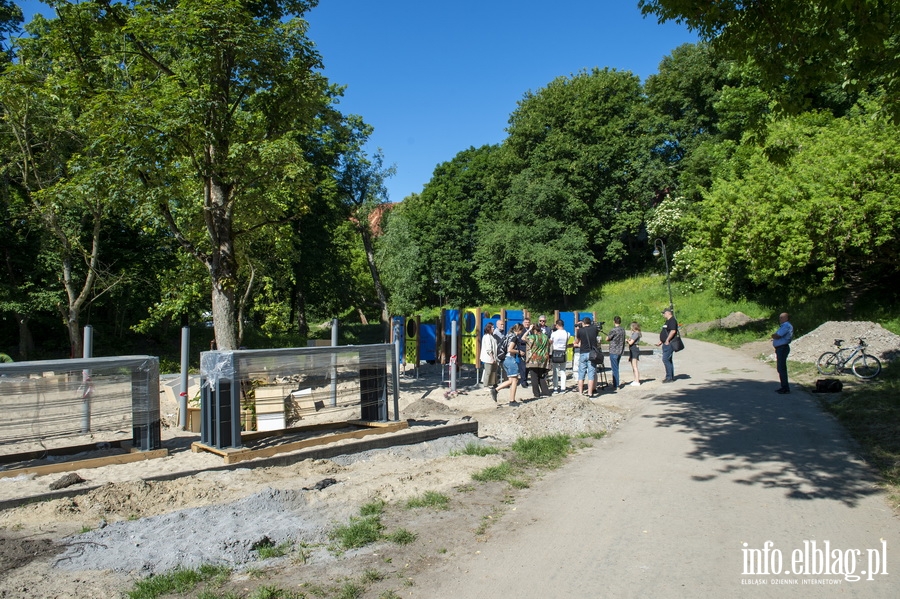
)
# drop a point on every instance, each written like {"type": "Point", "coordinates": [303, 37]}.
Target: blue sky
{"type": "Point", "coordinates": [435, 78]}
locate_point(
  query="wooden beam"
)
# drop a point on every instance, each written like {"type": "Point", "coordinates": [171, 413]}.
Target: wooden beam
{"type": "Point", "coordinates": [126, 458]}
{"type": "Point", "coordinates": [12, 458]}
{"type": "Point", "coordinates": [233, 456]}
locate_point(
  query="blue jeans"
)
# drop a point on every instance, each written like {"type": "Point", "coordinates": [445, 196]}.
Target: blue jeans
{"type": "Point", "coordinates": [781, 355]}
{"type": "Point", "coordinates": [667, 353]}
{"type": "Point", "coordinates": [586, 369]}
{"type": "Point", "coordinates": [614, 366]}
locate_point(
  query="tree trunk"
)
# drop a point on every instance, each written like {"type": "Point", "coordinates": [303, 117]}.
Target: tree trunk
{"type": "Point", "coordinates": [376, 279]}
{"type": "Point", "coordinates": [26, 341]}
{"type": "Point", "coordinates": [243, 305]}
{"type": "Point", "coordinates": [302, 322]}
{"type": "Point", "coordinates": [76, 298]}
{"type": "Point", "coordinates": [222, 263]}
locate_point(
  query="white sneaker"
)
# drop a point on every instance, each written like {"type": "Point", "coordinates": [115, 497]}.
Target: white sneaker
{"type": "Point", "coordinates": [635, 383]}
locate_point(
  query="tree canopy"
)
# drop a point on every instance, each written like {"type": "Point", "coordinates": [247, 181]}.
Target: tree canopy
{"type": "Point", "coordinates": [797, 48]}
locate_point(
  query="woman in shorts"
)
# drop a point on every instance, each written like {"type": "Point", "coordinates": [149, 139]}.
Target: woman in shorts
{"type": "Point", "coordinates": [634, 352]}
{"type": "Point", "coordinates": [514, 356]}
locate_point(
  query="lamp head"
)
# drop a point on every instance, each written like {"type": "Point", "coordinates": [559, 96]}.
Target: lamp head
{"type": "Point", "coordinates": [656, 252]}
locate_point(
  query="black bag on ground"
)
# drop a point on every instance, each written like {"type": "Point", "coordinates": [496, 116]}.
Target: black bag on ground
{"type": "Point", "coordinates": [828, 386]}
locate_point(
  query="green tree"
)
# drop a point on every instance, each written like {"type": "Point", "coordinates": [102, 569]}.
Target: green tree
{"type": "Point", "coordinates": [582, 159]}
{"type": "Point", "coordinates": [401, 261]}
{"type": "Point", "coordinates": [441, 223]}
{"type": "Point", "coordinates": [824, 216]}
{"type": "Point", "coordinates": [796, 48]}
{"type": "Point", "coordinates": [208, 103]}
{"type": "Point", "coordinates": [361, 185]}
{"type": "Point", "coordinates": [49, 156]}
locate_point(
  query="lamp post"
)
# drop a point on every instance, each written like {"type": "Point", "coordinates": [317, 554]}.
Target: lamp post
{"type": "Point", "coordinates": [657, 245]}
{"type": "Point", "coordinates": [437, 283]}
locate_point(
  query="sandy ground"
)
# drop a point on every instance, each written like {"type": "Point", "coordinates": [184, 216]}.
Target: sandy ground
{"type": "Point", "coordinates": [124, 523]}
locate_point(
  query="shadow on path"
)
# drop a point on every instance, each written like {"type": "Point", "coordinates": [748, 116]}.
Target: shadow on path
{"type": "Point", "coordinates": [761, 438]}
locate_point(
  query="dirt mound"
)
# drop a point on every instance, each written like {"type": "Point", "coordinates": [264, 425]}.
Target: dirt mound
{"type": "Point", "coordinates": [880, 341]}
{"type": "Point", "coordinates": [571, 415]}
{"type": "Point", "coordinates": [422, 408]}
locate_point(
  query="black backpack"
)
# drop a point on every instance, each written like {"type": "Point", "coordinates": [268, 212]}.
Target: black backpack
{"type": "Point", "coordinates": [503, 347]}
{"type": "Point", "coordinates": [828, 386]}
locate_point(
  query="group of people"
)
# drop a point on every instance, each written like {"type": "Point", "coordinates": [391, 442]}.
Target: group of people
{"type": "Point", "coordinates": [539, 353]}
{"type": "Point", "coordinates": [536, 352]}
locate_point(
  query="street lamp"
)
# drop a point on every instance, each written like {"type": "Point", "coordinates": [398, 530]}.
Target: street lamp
{"type": "Point", "coordinates": [437, 283]}
{"type": "Point", "coordinates": [657, 245]}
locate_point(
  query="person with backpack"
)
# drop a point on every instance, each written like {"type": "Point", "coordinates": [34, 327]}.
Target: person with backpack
{"type": "Point", "coordinates": [514, 356]}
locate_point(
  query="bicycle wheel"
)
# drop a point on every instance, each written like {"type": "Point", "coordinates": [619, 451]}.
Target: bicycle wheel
{"type": "Point", "coordinates": [866, 366]}
{"type": "Point", "coordinates": [828, 363]}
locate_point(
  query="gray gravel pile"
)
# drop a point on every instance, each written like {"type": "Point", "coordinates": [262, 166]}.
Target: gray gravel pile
{"type": "Point", "coordinates": [226, 534]}
{"type": "Point", "coordinates": [216, 535]}
{"type": "Point", "coordinates": [880, 341]}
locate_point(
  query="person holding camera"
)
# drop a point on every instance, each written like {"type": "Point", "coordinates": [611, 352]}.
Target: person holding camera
{"type": "Point", "coordinates": [586, 340]}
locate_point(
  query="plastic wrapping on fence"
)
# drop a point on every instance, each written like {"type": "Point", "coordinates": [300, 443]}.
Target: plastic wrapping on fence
{"type": "Point", "coordinates": [273, 389]}
{"type": "Point", "coordinates": [51, 399]}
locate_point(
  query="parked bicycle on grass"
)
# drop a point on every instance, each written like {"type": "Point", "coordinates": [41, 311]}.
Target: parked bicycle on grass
{"type": "Point", "coordinates": [863, 365]}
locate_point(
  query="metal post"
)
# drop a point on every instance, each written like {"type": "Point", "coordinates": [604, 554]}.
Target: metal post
{"type": "Point", "coordinates": [334, 342]}
{"type": "Point", "coordinates": [656, 246]}
{"type": "Point", "coordinates": [396, 381]}
{"type": "Point", "coordinates": [86, 385]}
{"type": "Point", "coordinates": [185, 365]}
{"type": "Point", "coordinates": [453, 355]}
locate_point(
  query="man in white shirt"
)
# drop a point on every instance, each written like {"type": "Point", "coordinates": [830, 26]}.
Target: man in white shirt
{"type": "Point", "coordinates": [559, 341]}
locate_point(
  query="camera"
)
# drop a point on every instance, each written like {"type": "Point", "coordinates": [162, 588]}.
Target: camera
{"type": "Point", "coordinates": [600, 324]}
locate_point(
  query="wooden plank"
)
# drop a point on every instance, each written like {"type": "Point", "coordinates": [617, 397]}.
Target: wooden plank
{"type": "Point", "coordinates": [413, 435]}
{"type": "Point", "coordinates": [233, 458]}
{"type": "Point", "coordinates": [294, 429]}
{"type": "Point", "coordinates": [12, 458]}
{"type": "Point", "coordinates": [128, 458]}
{"type": "Point", "coordinates": [197, 447]}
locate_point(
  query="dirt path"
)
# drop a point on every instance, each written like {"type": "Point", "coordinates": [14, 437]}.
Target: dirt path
{"type": "Point", "coordinates": [710, 468]}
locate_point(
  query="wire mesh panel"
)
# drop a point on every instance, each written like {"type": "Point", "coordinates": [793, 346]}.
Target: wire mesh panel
{"type": "Point", "coordinates": [273, 389]}
{"type": "Point", "coordinates": [55, 399]}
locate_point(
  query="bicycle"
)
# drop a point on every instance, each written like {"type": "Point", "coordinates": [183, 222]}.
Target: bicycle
{"type": "Point", "coordinates": [864, 366]}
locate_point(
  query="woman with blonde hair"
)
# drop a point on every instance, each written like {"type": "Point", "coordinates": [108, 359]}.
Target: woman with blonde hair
{"type": "Point", "coordinates": [634, 352]}
{"type": "Point", "coordinates": [511, 364]}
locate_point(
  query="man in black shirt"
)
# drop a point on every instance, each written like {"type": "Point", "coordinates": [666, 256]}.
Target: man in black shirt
{"type": "Point", "coordinates": [669, 330]}
{"type": "Point", "coordinates": [586, 339]}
